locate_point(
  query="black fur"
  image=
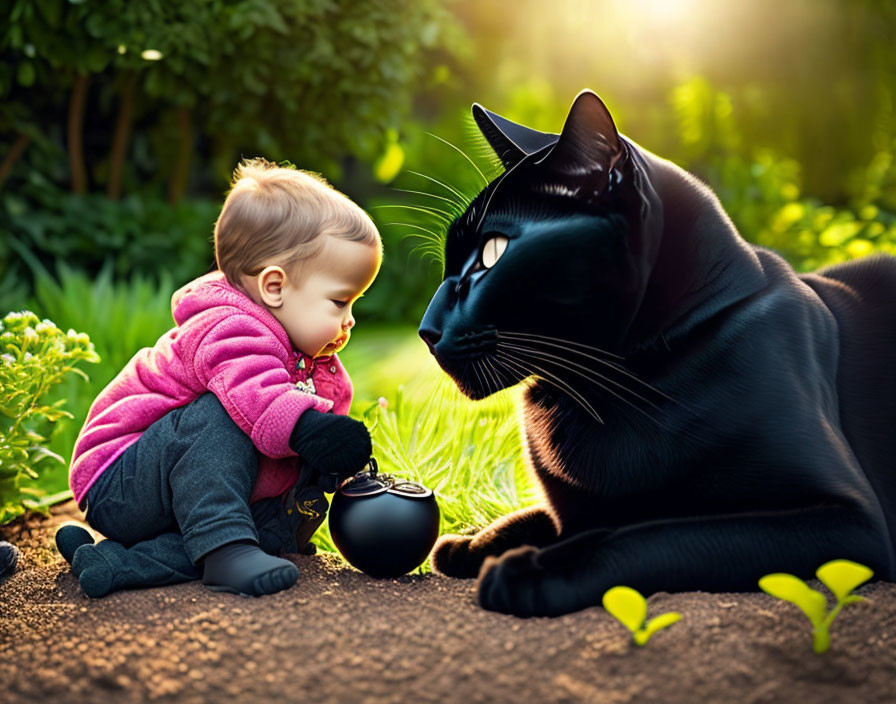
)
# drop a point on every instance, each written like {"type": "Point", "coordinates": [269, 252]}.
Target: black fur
{"type": "Point", "coordinates": [697, 413]}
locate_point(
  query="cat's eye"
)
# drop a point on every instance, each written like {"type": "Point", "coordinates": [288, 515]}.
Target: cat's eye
{"type": "Point", "coordinates": [492, 250]}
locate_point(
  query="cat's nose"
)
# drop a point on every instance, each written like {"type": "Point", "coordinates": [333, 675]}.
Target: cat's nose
{"type": "Point", "coordinates": [430, 337]}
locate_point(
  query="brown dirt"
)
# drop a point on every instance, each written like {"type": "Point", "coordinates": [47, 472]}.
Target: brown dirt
{"type": "Point", "coordinates": [340, 636]}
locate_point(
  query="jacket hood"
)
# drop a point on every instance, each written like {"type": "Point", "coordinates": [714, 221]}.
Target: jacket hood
{"type": "Point", "coordinates": [214, 291]}
{"type": "Point", "coordinates": [210, 291]}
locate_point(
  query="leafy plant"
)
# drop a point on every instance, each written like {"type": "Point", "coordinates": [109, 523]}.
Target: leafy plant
{"type": "Point", "coordinates": [36, 355]}
{"type": "Point", "coordinates": [120, 317]}
{"type": "Point", "coordinates": [136, 234]}
{"type": "Point", "coordinates": [840, 576]}
{"type": "Point", "coordinates": [630, 609]}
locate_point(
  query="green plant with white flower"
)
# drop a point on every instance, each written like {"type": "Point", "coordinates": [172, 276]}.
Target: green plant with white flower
{"type": "Point", "coordinates": [34, 356]}
{"type": "Point", "coordinates": [840, 576]}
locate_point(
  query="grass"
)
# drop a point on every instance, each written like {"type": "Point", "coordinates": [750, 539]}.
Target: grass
{"type": "Point", "coordinates": [468, 453]}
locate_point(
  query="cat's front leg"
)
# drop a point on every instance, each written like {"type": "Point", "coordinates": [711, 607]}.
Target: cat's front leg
{"type": "Point", "coordinates": [711, 553]}
{"type": "Point", "coordinates": [462, 555]}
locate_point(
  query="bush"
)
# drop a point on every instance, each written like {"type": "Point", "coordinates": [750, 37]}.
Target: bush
{"type": "Point", "coordinates": [137, 233]}
{"type": "Point", "coordinates": [36, 355]}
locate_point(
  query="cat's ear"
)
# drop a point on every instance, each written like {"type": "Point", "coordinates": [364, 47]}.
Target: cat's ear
{"type": "Point", "coordinates": [589, 141]}
{"type": "Point", "coordinates": [510, 141]}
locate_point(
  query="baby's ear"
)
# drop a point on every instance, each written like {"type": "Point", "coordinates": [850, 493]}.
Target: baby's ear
{"type": "Point", "coordinates": [270, 286]}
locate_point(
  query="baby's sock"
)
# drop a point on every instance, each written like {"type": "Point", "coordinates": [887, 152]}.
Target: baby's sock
{"type": "Point", "coordinates": [93, 571]}
{"type": "Point", "coordinates": [69, 538]}
{"type": "Point", "coordinates": [243, 568]}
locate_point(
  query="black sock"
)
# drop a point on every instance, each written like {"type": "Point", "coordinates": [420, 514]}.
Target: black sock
{"type": "Point", "coordinates": [70, 537]}
{"type": "Point", "coordinates": [241, 567]}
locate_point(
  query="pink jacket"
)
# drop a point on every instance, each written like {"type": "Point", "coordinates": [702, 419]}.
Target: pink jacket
{"type": "Point", "coordinates": [225, 343]}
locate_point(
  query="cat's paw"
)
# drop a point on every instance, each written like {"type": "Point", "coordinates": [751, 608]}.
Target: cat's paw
{"type": "Point", "coordinates": [510, 584]}
{"type": "Point", "coordinates": [451, 556]}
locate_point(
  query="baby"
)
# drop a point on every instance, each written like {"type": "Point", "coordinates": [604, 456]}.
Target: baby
{"type": "Point", "coordinates": [190, 460]}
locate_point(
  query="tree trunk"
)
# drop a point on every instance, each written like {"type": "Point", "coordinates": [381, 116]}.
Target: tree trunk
{"type": "Point", "coordinates": [177, 186]}
{"type": "Point", "coordinates": [12, 157]}
{"type": "Point", "coordinates": [76, 108]}
{"type": "Point", "coordinates": [122, 137]}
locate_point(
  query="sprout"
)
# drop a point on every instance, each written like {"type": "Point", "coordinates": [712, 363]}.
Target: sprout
{"type": "Point", "coordinates": [630, 608]}
{"type": "Point", "coordinates": [840, 576]}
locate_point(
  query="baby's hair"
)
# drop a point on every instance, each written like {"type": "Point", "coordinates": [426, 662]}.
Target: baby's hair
{"type": "Point", "coordinates": [277, 214]}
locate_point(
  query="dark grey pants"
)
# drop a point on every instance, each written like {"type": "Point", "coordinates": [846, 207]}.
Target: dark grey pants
{"type": "Point", "coordinates": [179, 492]}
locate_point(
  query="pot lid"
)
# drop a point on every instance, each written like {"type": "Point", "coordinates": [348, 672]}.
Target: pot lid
{"type": "Point", "coordinates": [369, 482]}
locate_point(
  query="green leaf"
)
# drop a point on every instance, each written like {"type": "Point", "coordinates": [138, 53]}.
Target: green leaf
{"type": "Point", "coordinates": [793, 589]}
{"type": "Point", "coordinates": [842, 576]}
{"type": "Point", "coordinates": [52, 499]}
{"type": "Point", "coordinates": [627, 605]}
{"type": "Point", "coordinates": [26, 73]}
{"type": "Point", "coordinates": [661, 621]}
{"type": "Point", "coordinates": [31, 491]}
{"type": "Point", "coordinates": [42, 453]}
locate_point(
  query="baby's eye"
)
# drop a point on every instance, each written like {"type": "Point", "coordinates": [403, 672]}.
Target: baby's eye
{"type": "Point", "coordinates": [340, 304]}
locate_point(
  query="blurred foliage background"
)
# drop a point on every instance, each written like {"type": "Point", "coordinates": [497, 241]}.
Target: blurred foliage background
{"type": "Point", "coordinates": [120, 123]}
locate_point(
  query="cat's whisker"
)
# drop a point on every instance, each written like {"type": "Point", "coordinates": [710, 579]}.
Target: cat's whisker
{"type": "Point", "coordinates": [561, 361]}
{"type": "Point", "coordinates": [432, 243]}
{"type": "Point", "coordinates": [600, 361]}
{"type": "Point", "coordinates": [467, 368]}
{"type": "Point", "coordinates": [499, 369]}
{"type": "Point", "coordinates": [491, 375]}
{"type": "Point", "coordinates": [519, 339]}
{"type": "Point", "coordinates": [427, 248]}
{"type": "Point", "coordinates": [435, 237]}
{"type": "Point", "coordinates": [551, 379]}
{"type": "Point", "coordinates": [457, 207]}
{"type": "Point", "coordinates": [502, 382]}
{"type": "Point", "coordinates": [438, 213]}
{"type": "Point", "coordinates": [532, 335]}
{"type": "Point", "coordinates": [463, 201]}
{"type": "Point", "coordinates": [479, 376]}
{"type": "Point", "coordinates": [463, 154]}
{"type": "Point", "coordinates": [563, 364]}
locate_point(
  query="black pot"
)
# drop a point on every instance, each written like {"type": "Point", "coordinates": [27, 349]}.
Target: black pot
{"type": "Point", "coordinates": [383, 525]}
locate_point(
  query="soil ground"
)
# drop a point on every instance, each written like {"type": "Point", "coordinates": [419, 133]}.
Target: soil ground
{"type": "Point", "coordinates": [340, 636]}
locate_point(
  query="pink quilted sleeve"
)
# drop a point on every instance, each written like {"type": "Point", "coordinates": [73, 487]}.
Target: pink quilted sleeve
{"type": "Point", "coordinates": [243, 363]}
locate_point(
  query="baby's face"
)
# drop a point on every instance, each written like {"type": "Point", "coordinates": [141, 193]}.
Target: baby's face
{"type": "Point", "coordinates": [316, 308]}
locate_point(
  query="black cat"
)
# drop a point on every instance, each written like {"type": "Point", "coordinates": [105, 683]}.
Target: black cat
{"type": "Point", "coordinates": [699, 415]}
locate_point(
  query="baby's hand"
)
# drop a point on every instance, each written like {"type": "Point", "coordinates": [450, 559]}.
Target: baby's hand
{"type": "Point", "coordinates": [332, 444]}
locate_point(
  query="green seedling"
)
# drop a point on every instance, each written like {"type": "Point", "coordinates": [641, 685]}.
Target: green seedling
{"type": "Point", "coordinates": [840, 576]}
{"type": "Point", "coordinates": [630, 608]}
